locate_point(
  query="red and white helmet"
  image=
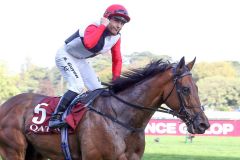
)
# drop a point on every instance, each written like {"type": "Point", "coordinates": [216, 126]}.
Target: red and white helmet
{"type": "Point", "coordinates": [117, 10]}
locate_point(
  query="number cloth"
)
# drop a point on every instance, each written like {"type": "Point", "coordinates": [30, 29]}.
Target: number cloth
{"type": "Point", "coordinates": [42, 112]}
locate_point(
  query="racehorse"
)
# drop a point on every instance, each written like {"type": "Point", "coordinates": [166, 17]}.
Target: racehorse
{"type": "Point", "coordinates": [132, 101]}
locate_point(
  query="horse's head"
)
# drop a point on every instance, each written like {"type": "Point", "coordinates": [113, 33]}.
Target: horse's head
{"type": "Point", "coordinates": [144, 89]}
{"type": "Point", "coordinates": [181, 95]}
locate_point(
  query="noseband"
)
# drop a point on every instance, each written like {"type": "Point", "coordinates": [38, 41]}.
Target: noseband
{"type": "Point", "coordinates": [182, 112]}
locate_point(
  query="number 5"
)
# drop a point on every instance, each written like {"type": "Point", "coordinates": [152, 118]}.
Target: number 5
{"type": "Point", "coordinates": [42, 112]}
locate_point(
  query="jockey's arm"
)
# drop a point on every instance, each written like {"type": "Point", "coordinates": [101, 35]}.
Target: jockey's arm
{"type": "Point", "coordinates": [116, 60]}
{"type": "Point", "coordinates": [92, 35]}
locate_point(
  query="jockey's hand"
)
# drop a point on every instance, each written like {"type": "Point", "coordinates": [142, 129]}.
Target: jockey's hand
{"type": "Point", "coordinates": [104, 21]}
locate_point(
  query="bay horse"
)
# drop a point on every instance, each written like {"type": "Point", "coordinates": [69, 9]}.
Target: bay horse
{"type": "Point", "coordinates": [134, 98]}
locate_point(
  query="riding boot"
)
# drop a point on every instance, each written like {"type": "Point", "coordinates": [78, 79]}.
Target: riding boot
{"type": "Point", "coordinates": [56, 119]}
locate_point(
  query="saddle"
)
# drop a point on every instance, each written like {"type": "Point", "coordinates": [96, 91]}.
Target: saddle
{"type": "Point", "coordinates": [90, 96]}
{"type": "Point", "coordinates": [42, 112]}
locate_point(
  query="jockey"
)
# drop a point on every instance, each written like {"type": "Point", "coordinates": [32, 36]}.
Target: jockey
{"type": "Point", "coordinates": [97, 38]}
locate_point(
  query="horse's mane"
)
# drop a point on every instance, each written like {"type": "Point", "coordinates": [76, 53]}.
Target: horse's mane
{"type": "Point", "coordinates": [133, 76]}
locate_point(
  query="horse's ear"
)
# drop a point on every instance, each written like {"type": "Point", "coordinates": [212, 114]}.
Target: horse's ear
{"type": "Point", "coordinates": [190, 64]}
{"type": "Point", "coordinates": [180, 66]}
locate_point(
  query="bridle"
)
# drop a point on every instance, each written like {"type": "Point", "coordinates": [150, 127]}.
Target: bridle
{"type": "Point", "coordinates": [182, 113]}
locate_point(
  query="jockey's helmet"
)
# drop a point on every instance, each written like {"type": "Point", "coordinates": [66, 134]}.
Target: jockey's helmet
{"type": "Point", "coordinates": [118, 11]}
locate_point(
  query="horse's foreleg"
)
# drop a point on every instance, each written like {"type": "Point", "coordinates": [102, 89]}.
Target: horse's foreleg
{"type": "Point", "coordinates": [10, 154]}
{"type": "Point", "coordinates": [12, 145]}
{"type": "Point", "coordinates": [91, 156]}
{"type": "Point", "coordinates": [132, 157]}
{"type": "Point", "coordinates": [122, 157]}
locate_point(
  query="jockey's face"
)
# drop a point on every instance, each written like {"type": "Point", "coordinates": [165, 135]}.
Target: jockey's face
{"type": "Point", "coordinates": [115, 25]}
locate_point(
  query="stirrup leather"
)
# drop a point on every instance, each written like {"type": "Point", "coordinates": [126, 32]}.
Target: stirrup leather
{"type": "Point", "coordinates": [56, 116]}
{"type": "Point", "coordinates": [56, 121]}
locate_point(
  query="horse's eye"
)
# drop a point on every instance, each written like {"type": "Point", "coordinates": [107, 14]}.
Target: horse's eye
{"type": "Point", "coordinates": [185, 91]}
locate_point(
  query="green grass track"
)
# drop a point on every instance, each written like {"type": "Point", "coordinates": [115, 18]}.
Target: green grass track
{"type": "Point", "coordinates": [202, 148]}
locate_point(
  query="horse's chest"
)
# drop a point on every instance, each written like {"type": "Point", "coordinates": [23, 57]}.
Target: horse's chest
{"type": "Point", "coordinates": [127, 148]}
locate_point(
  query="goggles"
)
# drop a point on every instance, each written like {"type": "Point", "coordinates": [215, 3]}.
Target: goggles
{"type": "Point", "coordinates": [119, 18]}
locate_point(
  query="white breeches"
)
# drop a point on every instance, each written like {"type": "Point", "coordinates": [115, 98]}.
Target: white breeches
{"type": "Point", "coordinates": [77, 72]}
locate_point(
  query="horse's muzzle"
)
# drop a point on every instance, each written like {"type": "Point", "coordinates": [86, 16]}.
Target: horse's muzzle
{"type": "Point", "coordinates": [199, 125]}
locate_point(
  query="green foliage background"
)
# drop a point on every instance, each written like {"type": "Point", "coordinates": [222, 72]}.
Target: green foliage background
{"type": "Point", "coordinates": [218, 82]}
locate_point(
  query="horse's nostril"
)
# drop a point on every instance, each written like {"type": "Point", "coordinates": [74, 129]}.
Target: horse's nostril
{"type": "Point", "coordinates": [203, 126]}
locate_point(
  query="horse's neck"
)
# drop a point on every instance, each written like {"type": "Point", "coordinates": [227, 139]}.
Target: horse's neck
{"type": "Point", "coordinates": [146, 94]}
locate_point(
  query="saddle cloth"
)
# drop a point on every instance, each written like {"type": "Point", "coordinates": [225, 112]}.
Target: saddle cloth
{"type": "Point", "coordinates": [42, 112]}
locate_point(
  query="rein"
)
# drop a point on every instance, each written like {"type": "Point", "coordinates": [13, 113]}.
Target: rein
{"type": "Point", "coordinates": [159, 109]}
{"type": "Point", "coordinates": [187, 117]}
{"type": "Point", "coordinates": [132, 129]}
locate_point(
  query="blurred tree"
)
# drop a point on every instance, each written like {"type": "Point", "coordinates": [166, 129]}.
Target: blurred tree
{"type": "Point", "coordinates": [220, 93]}
{"type": "Point", "coordinates": [102, 64]}
{"type": "Point", "coordinates": [30, 77]}
{"type": "Point", "coordinates": [7, 84]}
{"type": "Point", "coordinates": [46, 88]}
{"type": "Point", "coordinates": [57, 81]}
{"type": "Point", "coordinates": [218, 82]}
{"type": "Point", "coordinates": [140, 59]}
{"type": "Point", "coordinates": [236, 65]}
{"type": "Point", "coordinates": [38, 79]}
{"type": "Point", "coordinates": [204, 69]}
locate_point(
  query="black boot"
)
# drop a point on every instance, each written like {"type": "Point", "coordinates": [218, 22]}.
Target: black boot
{"type": "Point", "coordinates": [56, 119]}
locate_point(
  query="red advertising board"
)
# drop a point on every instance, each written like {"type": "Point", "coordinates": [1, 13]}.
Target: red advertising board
{"type": "Point", "coordinates": [177, 127]}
